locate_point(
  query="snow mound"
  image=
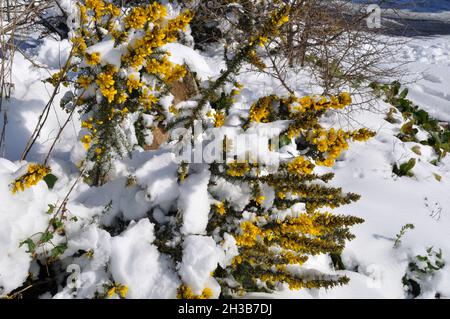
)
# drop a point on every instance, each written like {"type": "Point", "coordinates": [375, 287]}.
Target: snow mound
{"type": "Point", "coordinates": [194, 203]}
{"type": "Point", "coordinates": [200, 257]}
{"type": "Point", "coordinates": [138, 264]}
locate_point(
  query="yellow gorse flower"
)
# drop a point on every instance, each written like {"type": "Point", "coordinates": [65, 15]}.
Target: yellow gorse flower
{"type": "Point", "coordinates": [185, 292]}
{"type": "Point", "coordinates": [117, 289]}
{"type": "Point", "coordinates": [97, 6]}
{"type": "Point", "coordinates": [133, 83]}
{"type": "Point", "coordinates": [106, 82]}
{"type": "Point", "coordinates": [35, 174]}
{"type": "Point", "coordinates": [92, 59]}
{"type": "Point", "coordinates": [84, 82]}
{"type": "Point", "coordinates": [238, 169]}
{"type": "Point", "coordinates": [165, 70]}
{"type": "Point", "coordinates": [260, 200]}
{"type": "Point", "coordinates": [300, 166]}
{"type": "Point", "coordinates": [362, 135]}
{"type": "Point", "coordinates": [86, 140]}
{"type": "Point", "coordinates": [139, 16]}
{"type": "Point", "coordinates": [123, 290]}
{"type": "Point", "coordinates": [220, 207]}
{"type": "Point", "coordinates": [261, 110]}
{"type": "Point", "coordinates": [219, 119]}
{"type": "Point", "coordinates": [250, 234]}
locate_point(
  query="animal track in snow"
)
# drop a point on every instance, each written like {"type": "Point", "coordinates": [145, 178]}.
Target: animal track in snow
{"type": "Point", "coordinates": [434, 208]}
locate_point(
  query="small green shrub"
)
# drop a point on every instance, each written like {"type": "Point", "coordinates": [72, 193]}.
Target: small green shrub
{"type": "Point", "coordinates": [415, 117]}
{"type": "Point", "coordinates": [399, 236]}
{"type": "Point", "coordinates": [421, 269]}
{"type": "Point", "coordinates": [404, 169]}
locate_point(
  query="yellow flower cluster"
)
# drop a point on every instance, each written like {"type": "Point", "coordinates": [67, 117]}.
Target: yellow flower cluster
{"type": "Point", "coordinates": [331, 143]}
{"type": "Point", "coordinates": [84, 81]}
{"type": "Point", "coordinates": [138, 51]}
{"type": "Point", "coordinates": [220, 208]}
{"type": "Point", "coordinates": [219, 119]}
{"type": "Point", "coordinates": [272, 278]}
{"type": "Point", "coordinates": [139, 16]}
{"type": "Point", "coordinates": [86, 140]}
{"type": "Point", "coordinates": [92, 59]}
{"type": "Point", "coordinates": [300, 166]}
{"type": "Point", "coordinates": [292, 258]}
{"type": "Point", "coordinates": [271, 29]}
{"type": "Point", "coordinates": [250, 234]}
{"type": "Point", "coordinates": [98, 9]}
{"type": "Point", "coordinates": [58, 77]}
{"type": "Point", "coordinates": [137, 19]}
{"type": "Point", "coordinates": [125, 87]}
{"type": "Point", "coordinates": [345, 99]}
{"type": "Point", "coordinates": [147, 99]}
{"type": "Point", "coordinates": [362, 135]}
{"type": "Point", "coordinates": [261, 110]}
{"type": "Point", "coordinates": [35, 174]}
{"type": "Point", "coordinates": [106, 82]}
{"type": "Point", "coordinates": [83, 13]}
{"type": "Point", "coordinates": [238, 169]}
{"type": "Point", "coordinates": [133, 83]}
{"type": "Point", "coordinates": [155, 38]}
{"type": "Point", "coordinates": [112, 10]}
{"type": "Point", "coordinates": [260, 199]}
{"type": "Point", "coordinates": [317, 103]}
{"type": "Point", "coordinates": [303, 224]}
{"type": "Point", "coordinates": [118, 289]}
{"type": "Point", "coordinates": [97, 6]}
{"type": "Point", "coordinates": [281, 234]}
{"type": "Point", "coordinates": [278, 18]}
{"type": "Point", "coordinates": [255, 60]}
{"type": "Point", "coordinates": [88, 123]}
{"type": "Point", "coordinates": [165, 70]}
{"type": "Point", "coordinates": [185, 292]}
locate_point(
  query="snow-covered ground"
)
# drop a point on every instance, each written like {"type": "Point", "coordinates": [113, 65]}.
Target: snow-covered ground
{"type": "Point", "coordinates": [388, 202]}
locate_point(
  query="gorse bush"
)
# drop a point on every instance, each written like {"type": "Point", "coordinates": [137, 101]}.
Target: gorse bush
{"type": "Point", "coordinates": [130, 78]}
{"type": "Point", "coordinates": [282, 223]}
{"type": "Point", "coordinates": [266, 217]}
{"type": "Point", "coordinates": [279, 224]}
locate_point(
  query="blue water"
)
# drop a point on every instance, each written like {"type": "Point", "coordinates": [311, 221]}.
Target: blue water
{"type": "Point", "coordinates": [431, 6]}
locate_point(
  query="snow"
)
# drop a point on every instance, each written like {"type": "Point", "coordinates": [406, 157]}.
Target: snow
{"type": "Point", "coordinates": [109, 53]}
{"type": "Point", "coordinates": [159, 176]}
{"type": "Point", "coordinates": [200, 257]}
{"type": "Point", "coordinates": [430, 67]}
{"type": "Point", "coordinates": [181, 54]}
{"type": "Point", "coordinates": [194, 203]}
{"type": "Point", "coordinates": [54, 58]}
{"type": "Point", "coordinates": [136, 262]}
